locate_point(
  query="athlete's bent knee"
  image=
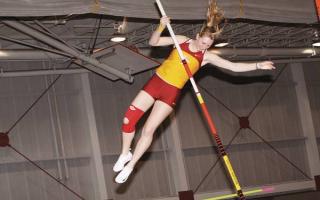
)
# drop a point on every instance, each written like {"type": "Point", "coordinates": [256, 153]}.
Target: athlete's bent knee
{"type": "Point", "coordinates": [131, 118]}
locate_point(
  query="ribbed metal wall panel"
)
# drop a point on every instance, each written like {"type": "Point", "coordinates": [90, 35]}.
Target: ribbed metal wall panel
{"type": "Point", "coordinates": [276, 119]}
{"type": "Point", "coordinates": [151, 179]}
{"type": "Point", "coordinates": [312, 77]}
{"type": "Point", "coordinates": [61, 111]}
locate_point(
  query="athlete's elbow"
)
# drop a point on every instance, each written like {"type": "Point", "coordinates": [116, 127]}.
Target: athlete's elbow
{"type": "Point", "coordinates": [153, 43]}
{"type": "Point", "coordinates": [235, 69]}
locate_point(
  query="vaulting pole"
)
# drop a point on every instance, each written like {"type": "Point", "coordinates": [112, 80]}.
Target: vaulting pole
{"type": "Point", "coordinates": [205, 111]}
{"type": "Point", "coordinates": [247, 193]}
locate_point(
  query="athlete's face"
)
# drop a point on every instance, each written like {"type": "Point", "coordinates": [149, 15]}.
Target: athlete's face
{"type": "Point", "coordinates": [204, 42]}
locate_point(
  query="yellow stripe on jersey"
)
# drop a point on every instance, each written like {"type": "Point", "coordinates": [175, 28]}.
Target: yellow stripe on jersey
{"type": "Point", "coordinates": [172, 70]}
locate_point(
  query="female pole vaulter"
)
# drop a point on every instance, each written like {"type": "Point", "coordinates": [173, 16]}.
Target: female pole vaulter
{"type": "Point", "coordinates": [162, 91]}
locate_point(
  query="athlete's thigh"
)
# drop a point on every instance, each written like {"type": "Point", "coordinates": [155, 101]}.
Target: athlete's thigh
{"type": "Point", "coordinates": [143, 101]}
{"type": "Point", "coordinates": [159, 112]}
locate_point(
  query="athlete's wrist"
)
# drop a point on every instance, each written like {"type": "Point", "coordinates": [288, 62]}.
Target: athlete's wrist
{"type": "Point", "coordinates": [258, 66]}
{"type": "Point", "coordinates": [160, 28]}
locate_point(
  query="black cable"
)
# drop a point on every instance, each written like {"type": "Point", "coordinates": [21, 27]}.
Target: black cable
{"type": "Point", "coordinates": [46, 172]}
{"type": "Point", "coordinates": [96, 36]}
{"type": "Point", "coordinates": [22, 116]}
{"type": "Point", "coordinates": [36, 101]}
{"type": "Point", "coordinates": [283, 156]}
{"type": "Point", "coordinates": [266, 91]}
{"type": "Point", "coordinates": [211, 95]}
{"type": "Point", "coordinates": [262, 97]}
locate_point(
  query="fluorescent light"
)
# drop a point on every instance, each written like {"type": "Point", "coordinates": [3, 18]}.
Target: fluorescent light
{"type": "Point", "coordinates": [316, 44]}
{"type": "Point", "coordinates": [312, 52]}
{"type": "Point", "coordinates": [308, 51]}
{"type": "Point", "coordinates": [221, 44]}
{"type": "Point", "coordinates": [118, 39]}
{"type": "Point", "coordinates": [3, 54]}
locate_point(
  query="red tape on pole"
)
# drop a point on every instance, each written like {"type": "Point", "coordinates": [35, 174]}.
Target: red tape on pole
{"type": "Point", "coordinates": [318, 8]}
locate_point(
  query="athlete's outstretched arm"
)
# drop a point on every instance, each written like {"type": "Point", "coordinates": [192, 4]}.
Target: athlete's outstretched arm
{"type": "Point", "coordinates": [216, 60]}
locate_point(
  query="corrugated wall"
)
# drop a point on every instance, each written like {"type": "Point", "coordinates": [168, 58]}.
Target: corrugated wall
{"type": "Point", "coordinates": [55, 134]}
{"type": "Point", "coordinates": [276, 119]}
{"type": "Point", "coordinates": [312, 72]}
{"type": "Point", "coordinates": [152, 179]}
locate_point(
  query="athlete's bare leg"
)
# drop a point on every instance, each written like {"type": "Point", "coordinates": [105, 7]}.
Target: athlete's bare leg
{"type": "Point", "coordinates": [159, 112]}
{"type": "Point", "coordinates": [143, 101]}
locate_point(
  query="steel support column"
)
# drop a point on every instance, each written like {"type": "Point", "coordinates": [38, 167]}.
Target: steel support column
{"type": "Point", "coordinates": [306, 119]}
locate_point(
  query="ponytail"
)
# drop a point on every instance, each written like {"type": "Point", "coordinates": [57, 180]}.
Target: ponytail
{"type": "Point", "coordinates": [214, 18]}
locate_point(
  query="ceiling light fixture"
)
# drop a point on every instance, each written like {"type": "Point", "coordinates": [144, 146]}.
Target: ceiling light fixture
{"type": "Point", "coordinates": [316, 43]}
{"type": "Point", "coordinates": [316, 39]}
{"type": "Point", "coordinates": [308, 51]}
{"type": "Point", "coordinates": [119, 36]}
{"type": "Point", "coordinates": [221, 44]}
{"type": "Point", "coordinates": [3, 54]}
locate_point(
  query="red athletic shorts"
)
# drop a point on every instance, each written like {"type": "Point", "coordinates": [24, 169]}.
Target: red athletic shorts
{"type": "Point", "coordinates": [160, 90]}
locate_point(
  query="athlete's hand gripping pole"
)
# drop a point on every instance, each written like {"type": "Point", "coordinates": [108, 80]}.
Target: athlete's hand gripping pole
{"type": "Point", "coordinates": [204, 110]}
{"type": "Point", "coordinates": [176, 43]}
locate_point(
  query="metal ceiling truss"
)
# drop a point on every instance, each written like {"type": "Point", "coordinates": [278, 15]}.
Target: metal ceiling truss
{"type": "Point", "coordinates": [76, 34]}
{"type": "Point", "coordinates": [244, 33]}
{"type": "Point", "coordinates": [86, 61]}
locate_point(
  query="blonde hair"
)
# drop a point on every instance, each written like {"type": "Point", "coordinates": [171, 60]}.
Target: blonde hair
{"type": "Point", "coordinates": [214, 18]}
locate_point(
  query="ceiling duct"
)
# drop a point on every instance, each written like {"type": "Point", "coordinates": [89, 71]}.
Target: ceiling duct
{"type": "Point", "coordinates": [258, 53]}
{"type": "Point", "coordinates": [94, 64]}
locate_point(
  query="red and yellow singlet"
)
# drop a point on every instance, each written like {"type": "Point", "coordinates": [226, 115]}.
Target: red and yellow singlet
{"type": "Point", "coordinates": [172, 70]}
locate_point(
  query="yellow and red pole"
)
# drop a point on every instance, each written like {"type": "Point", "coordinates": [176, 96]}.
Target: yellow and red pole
{"type": "Point", "coordinates": [247, 193]}
{"type": "Point", "coordinates": [205, 111]}
{"type": "Point", "coordinates": [318, 8]}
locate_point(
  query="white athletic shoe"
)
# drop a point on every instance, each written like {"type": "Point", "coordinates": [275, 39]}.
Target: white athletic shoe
{"type": "Point", "coordinates": [123, 175]}
{"type": "Point", "coordinates": [122, 160]}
